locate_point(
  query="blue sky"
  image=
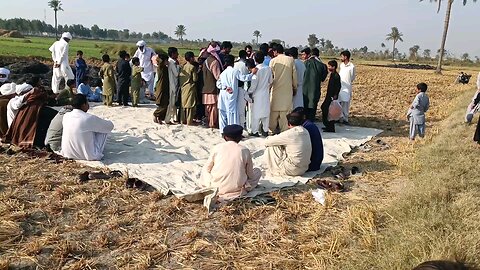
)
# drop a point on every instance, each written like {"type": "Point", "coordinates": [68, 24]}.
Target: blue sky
{"type": "Point", "coordinates": [348, 23]}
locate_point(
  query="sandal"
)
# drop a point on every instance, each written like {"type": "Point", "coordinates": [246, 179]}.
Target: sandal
{"type": "Point", "coordinates": [135, 183]}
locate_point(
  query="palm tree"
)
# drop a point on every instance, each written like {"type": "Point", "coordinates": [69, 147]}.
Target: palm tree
{"type": "Point", "coordinates": [56, 5]}
{"type": "Point", "coordinates": [445, 29]}
{"type": "Point", "coordinates": [396, 36]}
{"type": "Point", "coordinates": [180, 32]}
{"type": "Point", "coordinates": [257, 34]}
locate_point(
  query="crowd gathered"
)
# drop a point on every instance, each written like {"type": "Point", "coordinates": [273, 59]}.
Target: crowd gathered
{"type": "Point", "coordinates": [273, 93]}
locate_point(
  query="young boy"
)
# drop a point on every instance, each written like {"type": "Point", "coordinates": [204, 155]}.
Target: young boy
{"type": "Point", "coordinates": [162, 89]}
{"type": "Point", "coordinates": [188, 80]}
{"type": "Point", "coordinates": [136, 81]}
{"type": "Point", "coordinates": [85, 89]}
{"type": "Point", "coordinates": [333, 89]}
{"type": "Point", "coordinates": [107, 73]}
{"type": "Point", "coordinates": [66, 95]}
{"type": "Point", "coordinates": [80, 68]}
{"type": "Point", "coordinates": [416, 112]}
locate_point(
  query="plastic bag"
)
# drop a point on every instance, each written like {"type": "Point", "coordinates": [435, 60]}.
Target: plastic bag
{"type": "Point", "coordinates": [334, 111]}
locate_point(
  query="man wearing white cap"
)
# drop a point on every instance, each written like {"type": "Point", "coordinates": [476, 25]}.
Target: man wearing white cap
{"type": "Point", "coordinates": [4, 75]}
{"type": "Point", "coordinates": [22, 91]}
{"type": "Point", "coordinates": [61, 65]}
{"type": "Point", "coordinates": [145, 55]}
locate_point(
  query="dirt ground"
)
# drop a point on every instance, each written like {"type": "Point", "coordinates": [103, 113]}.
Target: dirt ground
{"type": "Point", "coordinates": [50, 221]}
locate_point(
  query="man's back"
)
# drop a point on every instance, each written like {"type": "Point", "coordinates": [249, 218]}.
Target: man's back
{"type": "Point", "coordinates": [124, 71]}
{"type": "Point", "coordinates": [284, 81]}
{"type": "Point", "coordinates": [55, 130]}
{"type": "Point", "coordinates": [227, 100]}
{"type": "Point", "coordinates": [229, 164]}
{"type": "Point", "coordinates": [79, 135]}
{"type": "Point", "coordinates": [317, 145]}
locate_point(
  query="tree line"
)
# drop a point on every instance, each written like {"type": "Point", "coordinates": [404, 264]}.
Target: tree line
{"type": "Point", "coordinates": [41, 28]}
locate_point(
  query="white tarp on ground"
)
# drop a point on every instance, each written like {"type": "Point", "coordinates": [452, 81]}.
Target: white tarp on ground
{"type": "Point", "coordinates": [170, 158]}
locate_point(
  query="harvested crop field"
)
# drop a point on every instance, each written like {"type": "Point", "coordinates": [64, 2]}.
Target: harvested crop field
{"type": "Point", "coordinates": [50, 221]}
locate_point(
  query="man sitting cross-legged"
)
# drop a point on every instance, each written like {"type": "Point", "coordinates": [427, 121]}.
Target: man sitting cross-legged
{"type": "Point", "coordinates": [84, 135]}
{"type": "Point", "coordinates": [289, 152]}
{"type": "Point", "coordinates": [230, 167]}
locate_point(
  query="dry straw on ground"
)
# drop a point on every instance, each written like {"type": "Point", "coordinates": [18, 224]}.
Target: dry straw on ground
{"type": "Point", "coordinates": [49, 221]}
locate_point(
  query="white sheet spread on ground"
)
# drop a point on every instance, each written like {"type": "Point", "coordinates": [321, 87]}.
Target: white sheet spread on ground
{"type": "Point", "coordinates": [170, 158]}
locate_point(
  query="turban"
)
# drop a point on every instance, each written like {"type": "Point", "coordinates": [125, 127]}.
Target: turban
{"type": "Point", "coordinates": [141, 43]}
{"type": "Point", "coordinates": [67, 35]}
{"type": "Point", "coordinates": [23, 88]}
{"type": "Point", "coordinates": [5, 72]}
{"type": "Point", "coordinates": [8, 89]}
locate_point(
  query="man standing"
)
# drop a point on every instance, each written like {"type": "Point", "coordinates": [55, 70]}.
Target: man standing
{"type": "Point", "coordinates": [241, 66]}
{"type": "Point", "coordinates": [80, 68]}
{"type": "Point", "coordinates": [61, 65]}
{"type": "Point", "coordinates": [225, 50]}
{"type": "Point", "coordinates": [284, 87]}
{"type": "Point", "coordinates": [289, 152]}
{"type": "Point", "coordinates": [145, 55]}
{"type": "Point", "coordinates": [347, 76]}
{"type": "Point", "coordinates": [228, 86]}
{"type": "Point", "coordinates": [315, 74]}
{"type": "Point", "coordinates": [300, 66]}
{"type": "Point", "coordinates": [84, 135]}
{"type": "Point", "coordinates": [249, 51]}
{"type": "Point", "coordinates": [212, 68]}
{"type": "Point", "coordinates": [173, 73]}
{"type": "Point", "coordinates": [124, 73]}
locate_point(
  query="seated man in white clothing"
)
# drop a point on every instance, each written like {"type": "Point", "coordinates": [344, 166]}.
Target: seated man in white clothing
{"type": "Point", "coordinates": [84, 135]}
{"type": "Point", "coordinates": [289, 152]}
{"type": "Point", "coordinates": [230, 167]}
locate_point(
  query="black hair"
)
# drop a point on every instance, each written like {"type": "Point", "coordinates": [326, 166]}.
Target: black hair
{"type": "Point", "coordinates": [171, 51]}
{"type": "Point", "coordinates": [226, 45]}
{"type": "Point", "coordinates": [346, 54]}
{"type": "Point", "coordinates": [295, 119]}
{"type": "Point", "coordinates": [189, 55]}
{"type": "Point", "coordinates": [248, 47]}
{"type": "Point", "coordinates": [127, 55]}
{"type": "Point", "coordinates": [250, 63]}
{"type": "Point", "coordinates": [294, 52]}
{"type": "Point", "coordinates": [333, 63]}
{"type": "Point", "coordinates": [105, 58]}
{"type": "Point", "coordinates": [79, 53]}
{"type": "Point", "coordinates": [278, 48]}
{"type": "Point", "coordinates": [34, 81]}
{"type": "Point", "coordinates": [78, 101]}
{"type": "Point", "coordinates": [287, 52]}
{"type": "Point", "coordinates": [259, 57]}
{"type": "Point", "coordinates": [264, 49]}
{"type": "Point", "coordinates": [122, 54]}
{"type": "Point", "coordinates": [85, 79]}
{"type": "Point", "coordinates": [96, 82]}
{"type": "Point", "coordinates": [300, 112]}
{"type": "Point", "coordinates": [316, 52]}
{"type": "Point", "coordinates": [272, 45]}
{"type": "Point", "coordinates": [136, 61]}
{"type": "Point", "coordinates": [163, 57]}
{"type": "Point", "coordinates": [71, 82]}
{"type": "Point", "coordinates": [242, 54]}
{"type": "Point", "coordinates": [307, 51]}
{"type": "Point", "coordinates": [422, 87]}
{"type": "Point", "coordinates": [229, 60]}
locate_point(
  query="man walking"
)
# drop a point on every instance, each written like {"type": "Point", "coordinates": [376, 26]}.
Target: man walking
{"type": "Point", "coordinates": [145, 55]}
{"type": "Point", "coordinates": [61, 65]}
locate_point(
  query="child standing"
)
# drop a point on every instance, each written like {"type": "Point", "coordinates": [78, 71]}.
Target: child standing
{"type": "Point", "coordinates": [136, 81]}
{"type": "Point", "coordinates": [416, 112]}
{"type": "Point", "coordinates": [333, 89]}
{"type": "Point", "coordinates": [188, 80]}
{"type": "Point", "coordinates": [80, 68]}
{"type": "Point", "coordinates": [107, 73]}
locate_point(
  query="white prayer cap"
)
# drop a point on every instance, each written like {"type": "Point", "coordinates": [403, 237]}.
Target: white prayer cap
{"type": "Point", "coordinates": [6, 72]}
{"type": "Point", "coordinates": [67, 35]}
{"type": "Point", "coordinates": [141, 43]}
{"type": "Point", "coordinates": [23, 88]}
{"type": "Point", "coordinates": [8, 89]}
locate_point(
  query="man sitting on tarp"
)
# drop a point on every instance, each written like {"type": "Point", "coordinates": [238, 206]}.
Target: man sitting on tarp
{"type": "Point", "coordinates": [84, 135]}
{"type": "Point", "coordinates": [289, 152]}
{"type": "Point", "coordinates": [7, 92]}
{"type": "Point", "coordinates": [29, 116]}
{"type": "Point", "coordinates": [230, 167]}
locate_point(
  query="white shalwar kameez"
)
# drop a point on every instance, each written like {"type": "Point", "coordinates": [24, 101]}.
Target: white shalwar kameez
{"type": "Point", "coordinates": [298, 98]}
{"type": "Point", "coordinates": [59, 51]}
{"type": "Point", "coordinates": [227, 102]}
{"type": "Point", "coordinates": [241, 102]}
{"type": "Point", "coordinates": [148, 73]}
{"type": "Point", "coordinates": [347, 76]}
{"type": "Point", "coordinates": [260, 90]}
{"type": "Point", "coordinates": [84, 135]}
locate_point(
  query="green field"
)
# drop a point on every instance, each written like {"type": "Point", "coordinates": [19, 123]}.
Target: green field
{"type": "Point", "coordinates": [38, 47]}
